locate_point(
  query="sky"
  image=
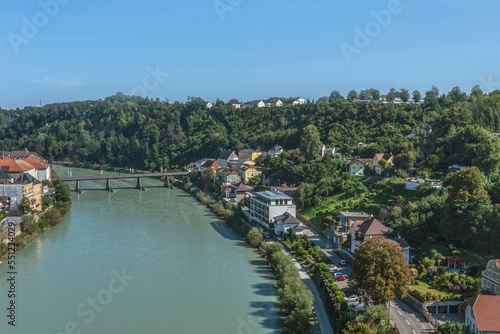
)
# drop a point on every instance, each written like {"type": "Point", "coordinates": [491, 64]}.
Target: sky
{"type": "Point", "coordinates": [71, 50]}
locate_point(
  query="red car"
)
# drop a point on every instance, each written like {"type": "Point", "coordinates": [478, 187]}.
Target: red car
{"type": "Point", "coordinates": [340, 278]}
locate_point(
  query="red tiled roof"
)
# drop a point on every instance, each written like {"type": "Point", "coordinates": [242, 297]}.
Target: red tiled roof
{"type": "Point", "coordinates": [15, 166]}
{"type": "Point", "coordinates": [372, 227]}
{"type": "Point", "coordinates": [37, 162]}
{"type": "Point", "coordinates": [211, 164]}
{"type": "Point", "coordinates": [486, 310]}
{"type": "Point", "coordinates": [364, 161]}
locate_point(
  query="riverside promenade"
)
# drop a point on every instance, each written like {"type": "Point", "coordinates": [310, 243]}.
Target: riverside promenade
{"type": "Point", "coordinates": [319, 307]}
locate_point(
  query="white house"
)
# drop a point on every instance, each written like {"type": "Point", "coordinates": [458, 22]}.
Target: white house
{"type": "Point", "coordinates": [209, 105]}
{"type": "Point", "coordinates": [275, 151]}
{"type": "Point", "coordinates": [482, 314]}
{"type": "Point", "coordinates": [274, 102]}
{"type": "Point", "coordinates": [284, 223]}
{"type": "Point", "coordinates": [264, 206]}
{"type": "Point", "coordinates": [491, 277]}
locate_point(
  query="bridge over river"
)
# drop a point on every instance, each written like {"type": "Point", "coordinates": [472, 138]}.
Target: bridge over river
{"type": "Point", "coordinates": [108, 178]}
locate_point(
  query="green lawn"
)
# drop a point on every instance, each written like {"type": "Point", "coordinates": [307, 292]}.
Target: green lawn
{"type": "Point", "coordinates": [369, 202]}
{"type": "Point", "coordinates": [423, 287]}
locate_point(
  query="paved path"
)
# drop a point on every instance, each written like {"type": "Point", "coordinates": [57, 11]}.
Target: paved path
{"type": "Point", "coordinates": [319, 307]}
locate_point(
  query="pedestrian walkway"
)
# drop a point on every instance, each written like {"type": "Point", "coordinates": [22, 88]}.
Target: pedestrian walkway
{"type": "Point", "coordinates": [321, 314]}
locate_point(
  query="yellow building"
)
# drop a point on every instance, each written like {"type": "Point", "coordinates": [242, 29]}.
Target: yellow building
{"type": "Point", "coordinates": [249, 154]}
{"type": "Point", "coordinates": [251, 171]}
{"type": "Point", "coordinates": [32, 191]}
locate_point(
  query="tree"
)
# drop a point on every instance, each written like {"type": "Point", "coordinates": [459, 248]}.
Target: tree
{"type": "Point", "coordinates": [457, 95]}
{"type": "Point", "coordinates": [310, 142]}
{"type": "Point", "coordinates": [255, 236]}
{"type": "Point", "coordinates": [377, 317]}
{"type": "Point", "coordinates": [466, 207]}
{"type": "Point", "coordinates": [358, 328]}
{"type": "Point", "coordinates": [450, 327]}
{"type": "Point", "coordinates": [391, 95]}
{"type": "Point", "coordinates": [379, 272]}
{"type": "Point", "coordinates": [254, 180]}
{"type": "Point", "coordinates": [335, 95]}
{"type": "Point", "coordinates": [405, 95]}
{"type": "Point", "coordinates": [416, 96]}
{"type": "Point", "coordinates": [476, 91]}
{"type": "Point", "coordinates": [353, 95]}
{"type": "Point", "coordinates": [375, 95]}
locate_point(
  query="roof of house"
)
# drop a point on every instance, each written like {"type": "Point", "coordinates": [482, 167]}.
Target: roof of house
{"type": "Point", "coordinates": [37, 162]}
{"type": "Point", "coordinates": [287, 218]}
{"type": "Point", "coordinates": [486, 310]}
{"type": "Point", "coordinates": [273, 100]}
{"type": "Point", "coordinates": [364, 161]}
{"type": "Point", "coordinates": [371, 227]}
{"type": "Point", "coordinates": [226, 154]}
{"type": "Point", "coordinates": [20, 154]}
{"type": "Point", "coordinates": [233, 101]}
{"type": "Point", "coordinates": [355, 214]}
{"type": "Point", "coordinates": [26, 178]}
{"type": "Point", "coordinates": [230, 172]}
{"type": "Point", "coordinates": [273, 195]}
{"type": "Point", "coordinates": [243, 188]}
{"type": "Point", "coordinates": [384, 156]}
{"type": "Point", "coordinates": [402, 242]}
{"type": "Point", "coordinates": [14, 166]}
{"type": "Point", "coordinates": [5, 177]}
{"type": "Point", "coordinates": [247, 167]}
{"type": "Point", "coordinates": [456, 258]}
{"type": "Point", "coordinates": [191, 164]}
{"type": "Point", "coordinates": [211, 163]}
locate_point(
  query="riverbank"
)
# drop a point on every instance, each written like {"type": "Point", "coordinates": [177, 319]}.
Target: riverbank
{"type": "Point", "coordinates": [231, 217]}
{"type": "Point", "coordinates": [34, 225]}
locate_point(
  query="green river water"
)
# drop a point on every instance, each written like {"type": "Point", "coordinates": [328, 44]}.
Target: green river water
{"type": "Point", "coordinates": [132, 262]}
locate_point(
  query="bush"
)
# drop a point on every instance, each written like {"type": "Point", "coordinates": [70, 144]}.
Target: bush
{"type": "Point", "coordinates": [255, 237]}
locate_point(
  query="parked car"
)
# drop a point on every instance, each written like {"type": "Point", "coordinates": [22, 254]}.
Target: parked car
{"type": "Point", "coordinates": [357, 306]}
{"type": "Point", "coordinates": [352, 298]}
{"type": "Point", "coordinates": [333, 267]}
{"type": "Point", "coordinates": [340, 278]}
{"type": "Point", "coordinates": [342, 262]}
{"type": "Point", "coordinates": [339, 274]}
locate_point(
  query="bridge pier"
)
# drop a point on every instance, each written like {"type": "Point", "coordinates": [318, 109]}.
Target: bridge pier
{"type": "Point", "coordinates": [108, 185]}
{"type": "Point", "coordinates": [139, 184]}
{"type": "Point", "coordinates": [77, 187]}
{"type": "Point", "coordinates": [167, 182]}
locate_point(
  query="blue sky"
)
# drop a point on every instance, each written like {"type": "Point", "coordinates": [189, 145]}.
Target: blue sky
{"type": "Point", "coordinates": [244, 49]}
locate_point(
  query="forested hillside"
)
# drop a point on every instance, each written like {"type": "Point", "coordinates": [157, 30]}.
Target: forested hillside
{"type": "Point", "coordinates": [142, 133]}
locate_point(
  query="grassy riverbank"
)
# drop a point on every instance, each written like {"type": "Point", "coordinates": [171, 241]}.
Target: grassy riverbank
{"type": "Point", "coordinates": [35, 225]}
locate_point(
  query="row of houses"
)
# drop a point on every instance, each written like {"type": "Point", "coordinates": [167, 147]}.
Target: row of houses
{"type": "Point", "coordinates": [21, 176]}
{"type": "Point", "coordinates": [271, 102]}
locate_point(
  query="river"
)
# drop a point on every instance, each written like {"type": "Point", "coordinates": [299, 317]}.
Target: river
{"type": "Point", "coordinates": [133, 261]}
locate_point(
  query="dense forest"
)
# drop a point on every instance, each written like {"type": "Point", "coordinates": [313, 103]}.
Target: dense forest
{"type": "Point", "coordinates": [426, 138]}
{"type": "Point", "coordinates": [138, 132]}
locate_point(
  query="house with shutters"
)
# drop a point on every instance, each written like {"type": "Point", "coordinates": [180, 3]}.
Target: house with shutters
{"type": "Point", "coordinates": [490, 277]}
{"type": "Point", "coordinates": [228, 158]}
